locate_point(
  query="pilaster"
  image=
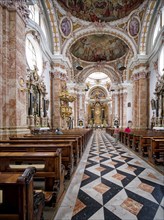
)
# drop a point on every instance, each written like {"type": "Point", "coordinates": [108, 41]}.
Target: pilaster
{"type": "Point", "coordinates": [12, 69]}
{"type": "Point", "coordinates": [140, 100]}
{"type": "Point", "coordinates": [57, 80]}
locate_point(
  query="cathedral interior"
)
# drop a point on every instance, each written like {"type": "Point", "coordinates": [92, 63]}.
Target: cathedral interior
{"type": "Point", "coordinates": [85, 64]}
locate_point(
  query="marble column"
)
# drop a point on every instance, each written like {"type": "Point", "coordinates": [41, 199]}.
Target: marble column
{"type": "Point", "coordinates": [78, 108]}
{"type": "Point", "coordinates": [13, 111]}
{"type": "Point", "coordinates": [1, 70]}
{"type": "Point", "coordinates": [140, 100]}
{"type": "Point", "coordinates": [121, 108]}
{"type": "Point", "coordinates": [75, 112]}
{"type": "Point", "coordinates": [143, 100]}
{"type": "Point", "coordinates": [135, 103]}
{"type": "Point", "coordinates": [56, 120]}
{"type": "Point", "coordinates": [124, 119]}
{"type": "Point", "coordinates": [113, 108]}
{"type": "Point", "coordinates": [118, 107]}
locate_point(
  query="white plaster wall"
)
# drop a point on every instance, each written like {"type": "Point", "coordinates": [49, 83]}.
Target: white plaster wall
{"type": "Point", "coordinates": [153, 80]}
{"type": "Point", "coordinates": [46, 78]}
{"type": "Point", "coordinates": [116, 106]}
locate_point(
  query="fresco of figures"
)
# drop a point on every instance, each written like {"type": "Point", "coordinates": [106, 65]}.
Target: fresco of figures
{"type": "Point", "coordinates": [100, 47]}
{"type": "Point", "coordinates": [104, 10]}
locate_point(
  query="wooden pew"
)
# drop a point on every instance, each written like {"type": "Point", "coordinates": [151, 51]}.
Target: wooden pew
{"type": "Point", "coordinates": [145, 142]}
{"type": "Point", "coordinates": [47, 142]}
{"type": "Point", "coordinates": [78, 138]}
{"type": "Point", "coordinates": [85, 132]}
{"type": "Point", "coordinates": [121, 134]}
{"type": "Point", "coordinates": [110, 131]}
{"type": "Point", "coordinates": [50, 168]}
{"type": "Point", "coordinates": [130, 140]}
{"type": "Point", "coordinates": [50, 139]}
{"type": "Point", "coordinates": [18, 199]}
{"type": "Point", "coordinates": [135, 141]}
{"type": "Point", "coordinates": [67, 158]}
{"type": "Point", "coordinates": [138, 143]}
{"type": "Point", "coordinates": [156, 151]}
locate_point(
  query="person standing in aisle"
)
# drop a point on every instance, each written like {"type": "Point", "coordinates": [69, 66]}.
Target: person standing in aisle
{"type": "Point", "coordinates": [116, 134]}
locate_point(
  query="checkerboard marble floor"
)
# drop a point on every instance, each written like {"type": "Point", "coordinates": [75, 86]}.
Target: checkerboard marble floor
{"type": "Point", "coordinates": [112, 183]}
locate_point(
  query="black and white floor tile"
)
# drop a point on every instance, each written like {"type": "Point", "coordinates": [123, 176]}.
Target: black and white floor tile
{"type": "Point", "coordinates": [112, 183]}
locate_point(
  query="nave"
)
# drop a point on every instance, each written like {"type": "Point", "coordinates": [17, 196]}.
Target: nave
{"type": "Point", "coordinates": [111, 182]}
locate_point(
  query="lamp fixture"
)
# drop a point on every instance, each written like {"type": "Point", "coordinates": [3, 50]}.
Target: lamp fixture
{"type": "Point", "coordinates": [78, 65]}
{"type": "Point", "coordinates": [112, 90]}
{"type": "Point", "coordinates": [121, 67]}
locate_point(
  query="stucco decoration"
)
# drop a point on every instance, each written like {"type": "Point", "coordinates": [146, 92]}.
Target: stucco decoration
{"type": "Point", "coordinates": [99, 47]}
{"type": "Point", "coordinates": [134, 26]}
{"type": "Point", "coordinates": [20, 6]}
{"type": "Point", "coordinates": [96, 10]}
{"type": "Point", "coordinates": [66, 26]}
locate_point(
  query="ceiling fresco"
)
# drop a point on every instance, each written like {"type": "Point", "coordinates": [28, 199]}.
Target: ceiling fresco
{"type": "Point", "coordinates": [96, 10]}
{"type": "Point", "coordinates": [97, 48]}
{"type": "Point", "coordinates": [97, 93]}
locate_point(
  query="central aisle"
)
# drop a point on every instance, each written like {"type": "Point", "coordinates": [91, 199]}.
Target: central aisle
{"type": "Point", "coordinates": [112, 183]}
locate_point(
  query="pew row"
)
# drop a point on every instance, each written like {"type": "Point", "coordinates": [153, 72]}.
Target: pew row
{"type": "Point", "coordinates": [47, 142]}
{"type": "Point", "coordinates": [18, 199]}
{"type": "Point", "coordinates": [67, 158]}
{"type": "Point", "coordinates": [48, 168]}
{"type": "Point", "coordinates": [47, 139]}
{"type": "Point", "coordinates": [156, 151]}
{"type": "Point", "coordinates": [78, 138]}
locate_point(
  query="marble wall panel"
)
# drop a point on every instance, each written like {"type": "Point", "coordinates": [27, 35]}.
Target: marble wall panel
{"type": "Point", "coordinates": [125, 123]}
{"type": "Point", "coordinates": [56, 119]}
{"type": "Point", "coordinates": [143, 97]}
{"type": "Point", "coordinates": [12, 33]}
{"type": "Point", "coordinates": [1, 44]}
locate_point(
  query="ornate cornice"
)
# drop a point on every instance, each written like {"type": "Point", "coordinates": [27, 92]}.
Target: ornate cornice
{"type": "Point", "coordinates": [20, 6]}
{"type": "Point", "coordinates": [59, 75]}
{"type": "Point", "coordinates": [140, 75]}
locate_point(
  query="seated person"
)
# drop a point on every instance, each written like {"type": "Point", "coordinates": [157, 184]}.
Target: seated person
{"type": "Point", "coordinates": [58, 131]}
{"type": "Point", "coordinates": [127, 130]}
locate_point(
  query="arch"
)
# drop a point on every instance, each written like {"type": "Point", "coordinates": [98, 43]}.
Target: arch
{"type": "Point", "coordinates": [95, 87]}
{"type": "Point", "coordinates": [145, 26]}
{"type": "Point", "coordinates": [105, 30]}
{"type": "Point", "coordinates": [33, 48]}
{"type": "Point", "coordinates": [54, 26]}
{"type": "Point", "coordinates": [108, 70]}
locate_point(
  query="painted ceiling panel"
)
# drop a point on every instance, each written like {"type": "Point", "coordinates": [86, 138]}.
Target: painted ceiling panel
{"type": "Point", "coordinates": [96, 10]}
{"type": "Point", "coordinates": [99, 47]}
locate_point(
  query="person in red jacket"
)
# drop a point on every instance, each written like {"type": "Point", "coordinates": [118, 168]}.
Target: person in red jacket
{"type": "Point", "coordinates": [127, 130]}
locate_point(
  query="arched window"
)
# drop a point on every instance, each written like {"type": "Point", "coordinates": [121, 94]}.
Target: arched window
{"type": "Point", "coordinates": [30, 53]}
{"type": "Point", "coordinates": [156, 30]}
{"type": "Point", "coordinates": [159, 24]}
{"type": "Point", "coordinates": [33, 53]}
{"type": "Point", "coordinates": [34, 13]}
{"type": "Point", "coordinates": [43, 27]}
